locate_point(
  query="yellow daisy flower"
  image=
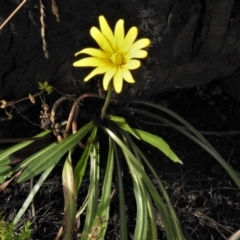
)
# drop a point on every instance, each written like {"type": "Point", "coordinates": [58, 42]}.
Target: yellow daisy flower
{"type": "Point", "coordinates": [116, 56]}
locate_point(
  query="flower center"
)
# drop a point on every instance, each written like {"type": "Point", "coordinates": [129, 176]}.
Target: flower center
{"type": "Point", "coordinates": [118, 59]}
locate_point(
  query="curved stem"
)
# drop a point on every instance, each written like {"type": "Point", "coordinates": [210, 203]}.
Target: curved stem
{"type": "Point", "coordinates": [107, 101]}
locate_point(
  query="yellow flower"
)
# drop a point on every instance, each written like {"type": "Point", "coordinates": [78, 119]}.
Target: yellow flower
{"type": "Point", "coordinates": [116, 56]}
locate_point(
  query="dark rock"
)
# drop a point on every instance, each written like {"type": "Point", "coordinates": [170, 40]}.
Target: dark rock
{"type": "Point", "coordinates": [192, 43]}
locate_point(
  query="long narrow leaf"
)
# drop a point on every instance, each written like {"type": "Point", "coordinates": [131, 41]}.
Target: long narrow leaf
{"type": "Point", "coordinates": [46, 158]}
{"type": "Point", "coordinates": [163, 190]}
{"type": "Point", "coordinates": [93, 194]}
{"type": "Point", "coordinates": [69, 197]}
{"type": "Point", "coordinates": [151, 221]}
{"type": "Point", "coordinates": [32, 194]}
{"type": "Point", "coordinates": [206, 147]}
{"type": "Point", "coordinates": [5, 172]}
{"type": "Point", "coordinates": [38, 154]}
{"type": "Point", "coordinates": [153, 140]}
{"type": "Point", "coordinates": [140, 193]}
{"type": "Point", "coordinates": [83, 206]}
{"type": "Point", "coordinates": [82, 163]}
{"type": "Point", "coordinates": [102, 216]}
{"type": "Point", "coordinates": [171, 233]}
{"type": "Point", "coordinates": [176, 116]}
{"type": "Point", "coordinates": [152, 229]}
{"type": "Point", "coordinates": [159, 143]}
{"type": "Point", "coordinates": [4, 154]}
{"type": "Point", "coordinates": [121, 122]}
{"type": "Point", "coordinates": [122, 214]}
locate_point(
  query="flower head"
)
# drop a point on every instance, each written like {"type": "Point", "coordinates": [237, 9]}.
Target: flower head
{"type": "Point", "coordinates": [116, 56]}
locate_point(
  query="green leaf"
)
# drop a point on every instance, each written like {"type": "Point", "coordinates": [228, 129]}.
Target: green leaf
{"type": "Point", "coordinates": [4, 154]}
{"type": "Point", "coordinates": [40, 154]}
{"type": "Point", "coordinates": [152, 139]}
{"type": "Point", "coordinates": [152, 229]}
{"type": "Point", "coordinates": [122, 213]}
{"type": "Point", "coordinates": [69, 197]}
{"type": "Point", "coordinates": [174, 115]}
{"type": "Point", "coordinates": [5, 172]}
{"type": "Point", "coordinates": [51, 155]}
{"type": "Point", "coordinates": [121, 122]}
{"type": "Point", "coordinates": [172, 225]}
{"type": "Point", "coordinates": [102, 216]}
{"type": "Point", "coordinates": [45, 86]}
{"type": "Point", "coordinates": [5, 161]}
{"type": "Point", "coordinates": [32, 194]}
{"type": "Point", "coordinates": [159, 143]}
{"type": "Point", "coordinates": [140, 192]}
{"type": "Point", "coordinates": [202, 142]}
{"type": "Point", "coordinates": [79, 170]}
{"type": "Point", "coordinates": [93, 193]}
{"type": "Point", "coordinates": [169, 221]}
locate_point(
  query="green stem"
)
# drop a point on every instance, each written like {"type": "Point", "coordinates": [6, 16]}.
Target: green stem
{"type": "Point", "coordinates": [107, 101]}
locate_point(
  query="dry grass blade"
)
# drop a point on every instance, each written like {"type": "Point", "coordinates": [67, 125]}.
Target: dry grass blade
{"type": "Point", "coordinates": [55, 11]}
{"type": "Point", "coordinates": [235, 236]}
{"type": "Point", "coordinates": [43, 28]}
{"type": "Point", "coordinates": [6, 183]}
{"type": "Point", "coordinates": [32, 194]}
{"type": "Point", "coordinates": [205, 220]}
{"type": "Point", "coordinates": [12, 14]}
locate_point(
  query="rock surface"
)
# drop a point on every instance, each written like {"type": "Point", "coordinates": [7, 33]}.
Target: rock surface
{"type": "Point", "coordinates": [193, 42]}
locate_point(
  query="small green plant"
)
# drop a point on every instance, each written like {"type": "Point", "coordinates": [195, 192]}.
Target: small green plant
{"type": "Point", "coordinates": [7, 231]}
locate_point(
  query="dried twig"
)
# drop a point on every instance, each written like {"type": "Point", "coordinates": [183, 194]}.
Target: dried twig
{"type": "Point", "coordinates": [72, 112]}
{"type": "Point", "coordinates": [55, 11]}
{"type": "Point", "coordinates": [33, 210]}
{"type": "Point", "coordinates": [4, 104]}
{"type": "Point", "coordinates": [42, 16]}
{"type": "Point", "coordinates": [235, 236]}
{"type": "Point", "coordinates": [53, 112]}
{"type": "Point", "coordinates": [12, 14]}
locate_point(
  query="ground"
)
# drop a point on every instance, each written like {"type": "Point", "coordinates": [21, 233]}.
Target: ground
{"type": "Point", "coordinates": [206, 200]}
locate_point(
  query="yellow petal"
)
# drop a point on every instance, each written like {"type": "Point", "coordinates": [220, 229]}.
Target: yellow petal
{"type": "Point", "coordinates": [127, 76]}
{"type": "Point", "coordinates": [101, 40]}
{"type": "Point", "coordinates": [118, 80]}
{"type": "Point", "coordinates": [108, 77]}
{"type": "Point", "coordinates": [105, 29]}
{"type": "Point", "coordinates": [132, 64]}
{"type": "Point", "coordinates": [119, 33]}
{"type": "Point", "coordinates": [94, 52]}
{"type": "Point", "coordinates": [142, 43]}
{"type": "Point", "coordinates": [98, 70]}
{"type": "Point", "coordinates": [129, 39]}
{"type": "Point", "coordinates": [89, 62]}
{"type": "Point", "coordinates": [137, 54]}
